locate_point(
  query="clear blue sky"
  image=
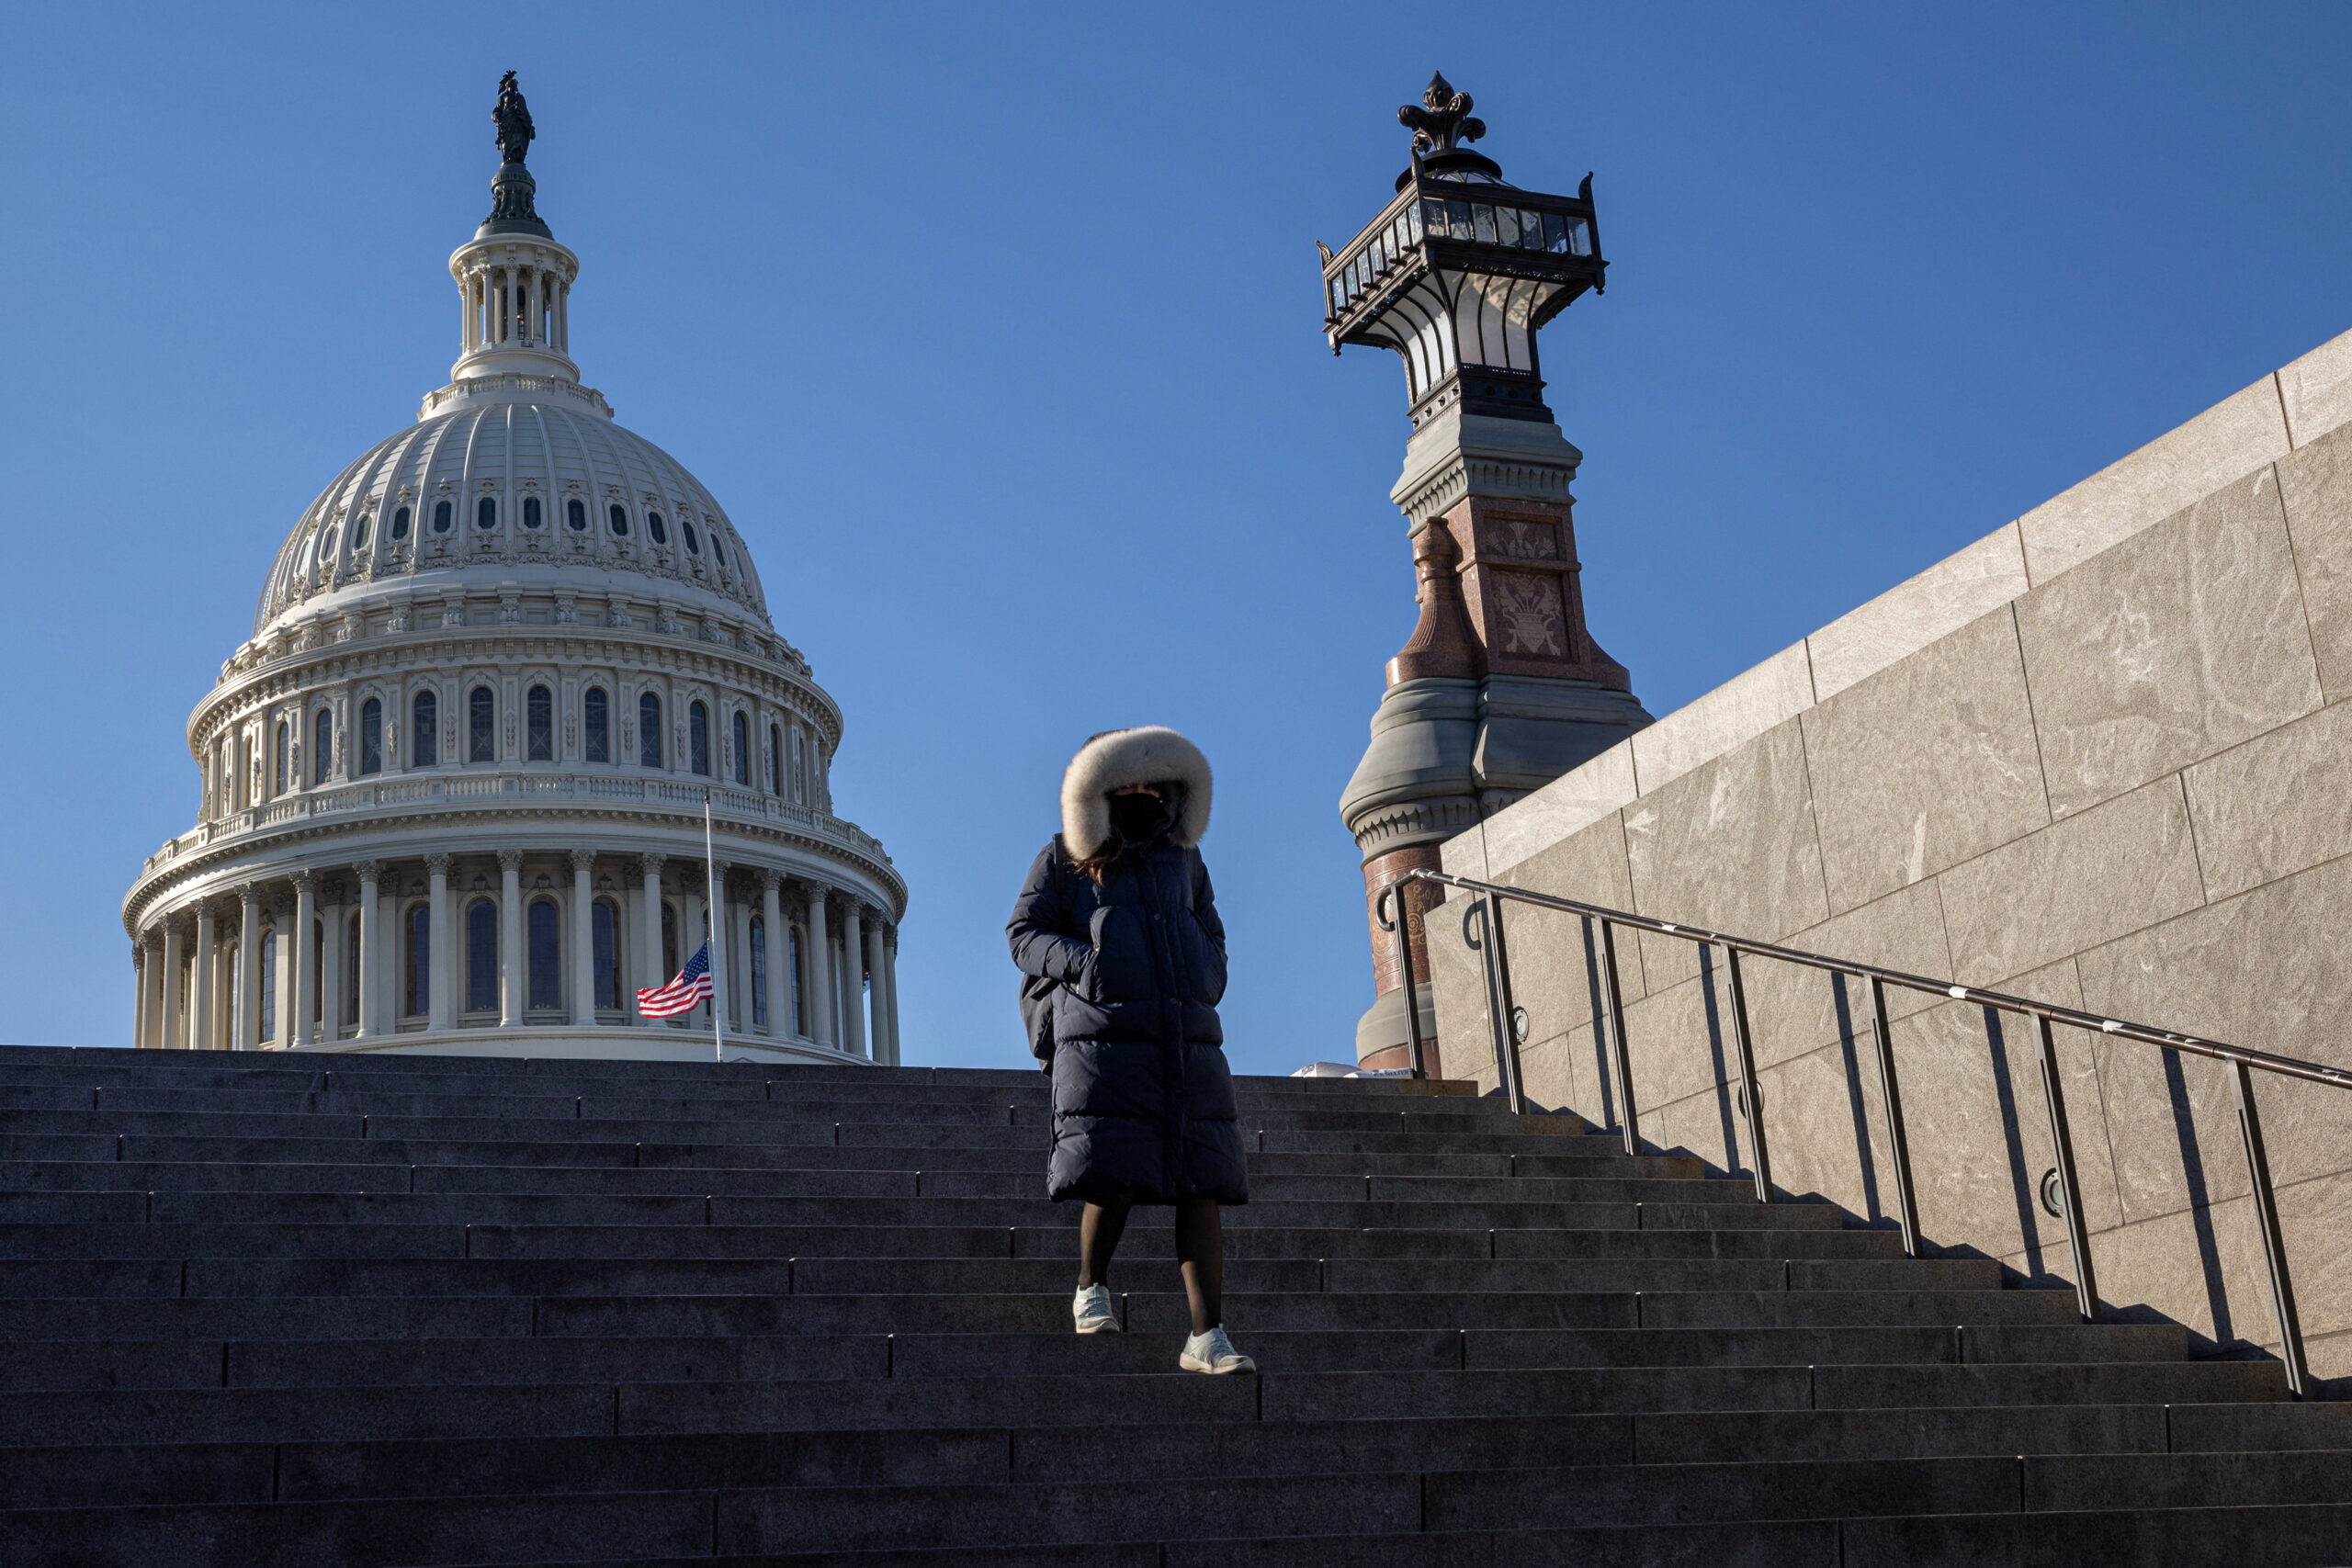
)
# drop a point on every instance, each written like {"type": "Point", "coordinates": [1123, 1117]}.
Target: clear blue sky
{"type": "Point", "coordinates": [996, 330]}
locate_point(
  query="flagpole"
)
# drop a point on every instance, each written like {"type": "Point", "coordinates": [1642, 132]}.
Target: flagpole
{"type": "Point", "coordinates": [714, 911]}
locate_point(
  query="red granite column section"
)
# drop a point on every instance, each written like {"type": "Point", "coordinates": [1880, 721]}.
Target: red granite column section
{"type": "Point", "coordinates": [1418, 899]}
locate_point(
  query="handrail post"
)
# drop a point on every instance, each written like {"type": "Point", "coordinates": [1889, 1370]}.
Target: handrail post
{"type": "Point", "coordinates": [1499, 1009]}
{"type": "Point", "coordinates": [1621, 1062]}
{"type": "Point", "coordinates": [1891, 1095]}
{"type": "Point", "coordinates": [1404, 966]}
{"type": "Point", "coordinates": [2078, 1241]}
{"type": "Point", "coordinates": [1751, 1099]}
{"type": "Point", "coordinates": [2274, 1241]}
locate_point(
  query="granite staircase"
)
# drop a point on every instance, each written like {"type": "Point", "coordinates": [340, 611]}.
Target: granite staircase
{"type": "Point", "coordinates": [372, 1311]}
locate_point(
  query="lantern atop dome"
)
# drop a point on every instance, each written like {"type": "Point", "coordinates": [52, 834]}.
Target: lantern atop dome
{"type": "Point", "coordinates": [515, 280]}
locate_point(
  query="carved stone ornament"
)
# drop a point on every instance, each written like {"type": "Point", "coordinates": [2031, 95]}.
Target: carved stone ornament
{"type": "Point", "coordinates": [567, 612]}
{"type": "Point", "coordinates": [1440, 118]}
{"type": "Point", "coordinates": [510, 610]}
{"type": "Point", "coordinates": [399, 621]}
{"type": "Point", "coordinates": [453, 612]}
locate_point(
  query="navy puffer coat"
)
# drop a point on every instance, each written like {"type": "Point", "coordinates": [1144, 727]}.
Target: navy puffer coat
{"type": "Point", "coordinates": [1129, 975]}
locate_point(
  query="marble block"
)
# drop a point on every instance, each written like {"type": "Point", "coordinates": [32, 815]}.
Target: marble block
{"type": "Point", "coordinates": [2168, 648]}
{"type": "Point", "coordinates": [2316, 391]}
{"type": "Point", "coordinates": [2225, 443]}
{"type": "Point", "coordinates": [1730, 846]}
{"type": "Point", "coordinates": [1741, 709]}
{"type": "Point", "coordinates": [1963, 587]}
{"type": "Point", "coordinates": [2274, 805]}
{"type": "Point", "coordinates": [2086, 879]}
{"type": "Point", "coordinates": [1924, 764]}
{"type": "Point", "coordinates": [1569, 804]}
{"type": "Point", "coordinates": [2315, 488]}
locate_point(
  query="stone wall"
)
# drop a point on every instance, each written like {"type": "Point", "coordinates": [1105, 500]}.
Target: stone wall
{"type": "Point", "coordinates": [2102, 757]}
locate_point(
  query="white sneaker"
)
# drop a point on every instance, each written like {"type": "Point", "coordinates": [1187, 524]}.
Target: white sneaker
{"type": "Point", "coordinates": [1091, 1309]}
{"type": "Point", "coordinates": [1213, 1352]}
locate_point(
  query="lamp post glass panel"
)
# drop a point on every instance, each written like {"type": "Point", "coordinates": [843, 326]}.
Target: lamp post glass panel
{"type": "Point", "coordinates": [1459, 272]}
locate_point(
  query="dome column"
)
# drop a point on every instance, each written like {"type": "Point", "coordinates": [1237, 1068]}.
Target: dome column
{"type": "Point", "coordinates": [779, 954]}
{"type": "Point", "coordinates": [305, 984]}
{"type": "Point", "coordinates": [334, 965]}
{"type": "Point", "coordinates": [247, 1013]}
{"type": "Point", "coordinates": [371, 943]}
{"type": "Point", "coordinates": [200, 1005]}
{"type": "Point", "coordinates": [143, 1012]}
{"type": "Point", "coordinates": [649, 938]}
{"type": "Point", "coordinates": [510, 939]}
{"type": "Point", "coordinates": [853, 982]}
{"type": "Point", "coordinates": [879, 1002]}
{"type": "Point", "coordinates": [437, 964]}
{"type": "Point", "coordinates": [820, 958]}
{"type": "Point", "coordinates": [173, 1035]}
{"type": "Point", "coordinates": [584, 951]}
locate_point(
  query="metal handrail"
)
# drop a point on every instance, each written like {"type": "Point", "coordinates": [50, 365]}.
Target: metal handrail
{"type": "Point", "coordinates": [1509, 1027]}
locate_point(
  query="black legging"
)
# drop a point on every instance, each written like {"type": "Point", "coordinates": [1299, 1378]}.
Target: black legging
{"type": "Point", "coordinates": [1200, 1252]}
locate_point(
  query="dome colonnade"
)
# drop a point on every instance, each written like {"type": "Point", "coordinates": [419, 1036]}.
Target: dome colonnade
{"type": "Point", "coordinates": [453, 786]}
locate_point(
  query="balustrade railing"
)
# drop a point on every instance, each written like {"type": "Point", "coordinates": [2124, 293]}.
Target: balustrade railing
{"type": "Point", "coordinates": [519, 786]}
{"type": "Point", "coordinates": [1509, 1025]}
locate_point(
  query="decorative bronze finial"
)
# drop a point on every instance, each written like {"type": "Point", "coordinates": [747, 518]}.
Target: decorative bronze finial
{"type": "Point", "coordinates": [1440, 118]}
{"type": "Point", "coordinates": [514, 120]}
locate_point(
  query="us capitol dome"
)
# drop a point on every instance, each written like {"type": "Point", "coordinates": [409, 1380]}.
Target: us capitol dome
{"type": "Point", "coordinates": [454, 785]}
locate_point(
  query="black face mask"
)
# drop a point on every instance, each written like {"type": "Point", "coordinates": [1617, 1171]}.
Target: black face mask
{"type": "Point", "coordinates": [1138, 819]}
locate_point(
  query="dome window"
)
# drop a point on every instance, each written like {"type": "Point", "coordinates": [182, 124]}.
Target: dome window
{"type": "Point", "coordinates": [361, 530]}
{"type": "Point", "coordinates": [279, 778]}
{"type": "Point", "coordinates": [372, 736]}
{"type": "Point", "coordinates": [596, 720]}
{"type": "Point", "coordinates": [575, 512]}
{"type": "Point", "coordinates": [649, 731]}
{"type": "Point", "coordinates": [322, 745]}
{"type": "Point", "coordinates": [694, 544]}
{"type": "Point", "coordinates": [481, 956]}
{"type": "Point", "coordinates": [530, 511]}
{"type": "Point", "coordinates": [399, 523]}
{"type": "Point", "coordinates": [743, 735]}
{"type": "Point", "coordinates": [718, 550]}
{"type": "Point", "coordinates": [698, 738]}
{"type": "Point", "coordinates": [326, 547]}
{"type": "Point", "coordinates": [441, 514]}
{"type": "Point", "coordinates": [619, 518]}
{"type": "Point", "coordinates": [481, 738]}
{"type": "Point", "coordinates": [538, 714]}
{"type": "Point", "coordinates": [486, 513]}
{"type": "Point", "coordinates": [546, 956]}
{"type": "Point", "coordinates": [654, 527]}
{"type": "Point", "coordinates": [425, 716]}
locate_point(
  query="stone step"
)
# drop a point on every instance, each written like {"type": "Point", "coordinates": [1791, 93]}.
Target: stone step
{"type": "Point", "coordinates": [126, 1363]}
{"type": "Point", "coordinates": [835, 1276]}
{"type": "Point", "coordinates": [1160, 1310]}
{"type": "Point", "coordinates": [222, 1473]}
{"type": "Point", "coordinates": [1292, 1112]}
{"type": "Point", "coordinates": [36, 1173]}
{"type": "Point", "coordinates": [2193, 1428]}
{"type": "Point", "coordinates": [380, 1239]}
{"type": "Point", "coordinates": [1923, 1511]}
{"type": "Point", "coordinates": [162, 1195]}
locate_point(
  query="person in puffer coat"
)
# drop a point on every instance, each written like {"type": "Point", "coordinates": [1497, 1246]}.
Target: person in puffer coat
{"type": "Point", "coordinates": [1117, 932]}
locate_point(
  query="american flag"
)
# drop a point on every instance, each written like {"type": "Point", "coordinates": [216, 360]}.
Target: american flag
{"type": "Point", "coordinates": [691, 986]}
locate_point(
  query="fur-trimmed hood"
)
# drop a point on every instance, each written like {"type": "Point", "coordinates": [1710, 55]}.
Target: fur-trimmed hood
{"type": "Point", "coordinates": [1118, 758]}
